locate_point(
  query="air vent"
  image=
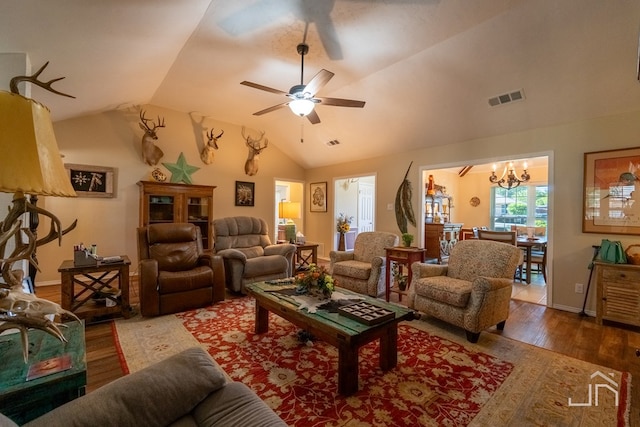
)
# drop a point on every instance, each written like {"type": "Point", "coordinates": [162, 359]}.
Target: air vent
{"type": "Point", "coordinates": [333, 142]}
{"type": "Point", "coordinates": [507, 98]}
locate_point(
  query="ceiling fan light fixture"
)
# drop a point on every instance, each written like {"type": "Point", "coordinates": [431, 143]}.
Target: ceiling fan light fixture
{"type": "Point", "coordinates": [301, 107]}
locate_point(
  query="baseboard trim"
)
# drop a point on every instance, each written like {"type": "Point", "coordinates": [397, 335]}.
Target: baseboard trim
{"type": "Point", "coordinates": [573, 309]}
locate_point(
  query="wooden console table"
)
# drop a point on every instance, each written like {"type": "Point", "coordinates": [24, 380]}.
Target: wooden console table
{"type": "Point", "coordinates": [618, 293]}
{"type": "Point", "coordinates": [404, 256]}
{"type": "Point", "coordinates": [78, 299]}
{"type": "Point", "coordinates": [23, 400]}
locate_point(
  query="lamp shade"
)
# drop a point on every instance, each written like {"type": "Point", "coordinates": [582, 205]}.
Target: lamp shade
{"type": "Point", "coordinates": [289, 210]}
{"type": "Point", "coordinates": [301, 107]}
{"type": "Point", "coordinates": [30, 161]}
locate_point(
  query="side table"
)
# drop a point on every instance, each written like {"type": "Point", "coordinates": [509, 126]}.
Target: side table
{"type": "Point", "coordinates": [306, 254]}
{"type": "Point", "coordinates": [77, 294]}
{"type": "Point", "coordinates": [23, 400]}
{"type": "Point", "coordinates": [618, 292]}
{"type": "Point", "coordinates": [404, 256]}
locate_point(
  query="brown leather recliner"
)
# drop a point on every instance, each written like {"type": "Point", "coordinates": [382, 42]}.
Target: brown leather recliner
{"type": "Point", "coordinates": [175, 273]}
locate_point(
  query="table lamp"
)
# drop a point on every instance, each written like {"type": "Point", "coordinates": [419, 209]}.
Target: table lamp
{"type": "Point", "coordinates": [30, 164]}
{"type": "Point", "coordinates": [289, 211]}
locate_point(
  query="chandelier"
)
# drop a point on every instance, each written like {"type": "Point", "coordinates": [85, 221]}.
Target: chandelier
{"type": "Point", "coordinates": [509, 179]}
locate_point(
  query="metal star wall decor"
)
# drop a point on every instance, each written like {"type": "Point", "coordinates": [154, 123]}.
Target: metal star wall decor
{"type": "Point", "coordinates": [181, 171]}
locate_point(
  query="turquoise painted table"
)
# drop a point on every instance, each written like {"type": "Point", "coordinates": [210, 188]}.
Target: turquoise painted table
{"type": "Point", "coordinates": [23, 400]}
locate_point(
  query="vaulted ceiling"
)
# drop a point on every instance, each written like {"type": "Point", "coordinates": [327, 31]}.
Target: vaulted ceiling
{"type": "Point", "coordinates": [425, 68]}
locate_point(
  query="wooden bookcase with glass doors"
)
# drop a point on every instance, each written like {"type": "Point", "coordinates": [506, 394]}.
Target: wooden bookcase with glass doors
{"type": "Point", "coordinates": [165, 203]}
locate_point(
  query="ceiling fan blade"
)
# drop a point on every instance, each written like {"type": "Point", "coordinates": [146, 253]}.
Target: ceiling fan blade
{"type": "Point", "coordinates": [328, 37]}
{"type": "Point", "coordinates": [313, 117]}
{"type": "Point", "coordinates": [341, 102]}
{"type": "Point", "coordinates": [265, 88]}
{"type": "Point", "coordinates": [319, 80]}
{"type": "Point", "coordinates": [270, 109]}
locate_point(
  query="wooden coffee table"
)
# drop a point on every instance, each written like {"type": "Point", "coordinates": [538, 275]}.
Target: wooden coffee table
{"type": "Point", "coordinates": [345, 334]}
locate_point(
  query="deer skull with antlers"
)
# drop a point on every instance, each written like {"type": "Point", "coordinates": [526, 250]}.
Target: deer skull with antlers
{"type": "Point", "coordinates": [151, 153]}
{"type": "Point", "coordinates": [208, 150]}
{"type": "Point", "coordinates": [251, 165]}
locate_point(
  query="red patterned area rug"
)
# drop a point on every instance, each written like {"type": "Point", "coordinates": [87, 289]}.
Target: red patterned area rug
{"type": "Point", "coordinates": [440, 380]}
{"type": "Point", "coordinates": [436, 381]}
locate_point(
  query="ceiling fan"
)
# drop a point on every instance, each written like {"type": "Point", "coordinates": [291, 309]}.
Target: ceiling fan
{"type": "Point", "coordinates": [302, 97]}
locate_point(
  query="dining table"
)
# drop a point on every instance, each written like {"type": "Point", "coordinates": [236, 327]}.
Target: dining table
{"type": "Point", "coordinates": [528, 244]}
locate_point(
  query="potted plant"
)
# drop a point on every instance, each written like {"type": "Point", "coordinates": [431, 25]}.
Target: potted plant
{"type": "Point", "coordinates": [407, 239]}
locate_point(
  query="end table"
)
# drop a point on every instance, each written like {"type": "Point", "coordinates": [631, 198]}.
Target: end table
{"type": "Point", "coordinates": [404, 256]}
{"type": "Point", "coordinates": [303, 259]}
{"type": "Point", "coordinates": [77, 294]}
{"type": "Point", "coordinates": [23, 400]}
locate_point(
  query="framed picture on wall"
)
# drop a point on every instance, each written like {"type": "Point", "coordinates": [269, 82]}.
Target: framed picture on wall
{"type": "Point", "coordinates": [611, 192]}
{"type": "Point", "coordinates": [245, 193]}
{"type": "Point", "coordinates": [318, 196]}
{"type": "Point", "coordinates": [92, 181]}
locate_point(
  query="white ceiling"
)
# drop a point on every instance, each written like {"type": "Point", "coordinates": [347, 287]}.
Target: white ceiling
{"type": "Point", "coordinates": [425, 68]}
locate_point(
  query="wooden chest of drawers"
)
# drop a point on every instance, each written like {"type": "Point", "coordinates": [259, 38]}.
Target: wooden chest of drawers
{"type": "Point", "coordinates": [618, 293]}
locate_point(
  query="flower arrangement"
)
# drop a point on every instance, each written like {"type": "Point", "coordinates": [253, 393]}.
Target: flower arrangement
{"type": "Point", "coordinates": [315, 281]}
{"type": "Point", "coordinates": [344, 223]}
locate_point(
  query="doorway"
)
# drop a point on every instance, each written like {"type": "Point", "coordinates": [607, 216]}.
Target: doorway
{"type": "Point", "coordinates": [477, 202]}
{"type": "Point", "coordinates": [355, 197]}
{"type": "Point", "coordinates": [288, 191]}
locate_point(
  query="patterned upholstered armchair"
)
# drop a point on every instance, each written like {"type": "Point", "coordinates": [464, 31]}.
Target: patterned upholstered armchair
{"type": "Point", "coordinates": [243, 243]}
{"type": "Point", "coordinates": [363, 270]}
{"type": "Point", "coordinates": [472, 291]}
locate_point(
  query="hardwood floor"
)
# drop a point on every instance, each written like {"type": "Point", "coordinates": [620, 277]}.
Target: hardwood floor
{"type": "Point", "coordinates": [567, 333]}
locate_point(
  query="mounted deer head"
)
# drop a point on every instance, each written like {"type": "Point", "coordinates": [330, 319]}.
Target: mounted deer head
{"type": "Point", "coordinates": [251, 165]}
{"type": "Point", "coordinates": [151, 153]}
{"type": "Point", "coordinates": [212, 144]}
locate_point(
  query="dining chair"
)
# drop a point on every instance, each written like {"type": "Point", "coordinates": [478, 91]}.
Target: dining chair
{"type": "Point", "coordinates": [539, 258]}
{"type": "Point", "coordinates": [498, 236]}
{"type": "Point", "coordinates": [538, 252]}
{"type": "Point", "coordinates": [509, 237]}
{"type": "Point", "coordinates": [467, 233]}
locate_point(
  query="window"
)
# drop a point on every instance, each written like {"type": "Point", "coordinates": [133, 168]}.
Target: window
{"type": "Point", "coordinates": [525, 205]}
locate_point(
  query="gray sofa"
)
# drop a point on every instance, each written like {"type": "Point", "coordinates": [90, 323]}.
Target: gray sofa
{"type": "Point", "coordinates": [187, 389]}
